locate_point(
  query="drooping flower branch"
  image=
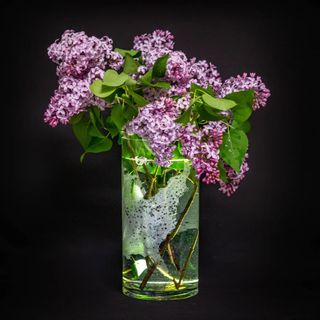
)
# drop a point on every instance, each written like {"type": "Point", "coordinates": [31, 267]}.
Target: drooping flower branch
{"type": "Point", "coordinates": [179, 106]}
{"type": "Point", "coordinates": [80, 60]}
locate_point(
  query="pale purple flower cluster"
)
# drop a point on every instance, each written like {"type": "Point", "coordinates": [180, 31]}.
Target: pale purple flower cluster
{"type": "Point", "coordinates": [181, 72]}
{"type": "Point", "coordinates": [153, 45]}
{"type": "Point", "coordinates": [177, 67]}
{"type": "Point", "coordinates": [205, 74]}
{"type": "Point", "coordinates": [81, 60]}
{"type": "Point", "coordinates": [202, 147]}
{"type": "Point", "coordinates": [234, 178]}
{"type": "Point", "coordinates": [247, 82]}
{"type": "Point", "coordinates": [156, 123]}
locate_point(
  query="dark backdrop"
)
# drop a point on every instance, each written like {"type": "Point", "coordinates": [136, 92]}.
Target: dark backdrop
{"type": "Point", "coordinates": [61, 233]}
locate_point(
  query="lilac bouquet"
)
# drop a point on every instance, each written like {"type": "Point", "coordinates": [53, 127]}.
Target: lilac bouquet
{"type": "Point", "coordinates": [178, 123]}
{"type": "Point", "coordinates": [180, 106]}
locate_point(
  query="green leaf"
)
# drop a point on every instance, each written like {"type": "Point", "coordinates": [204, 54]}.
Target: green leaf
{"type": "Point", "coordinates": [220, 104]}
{"type": "Point", "coordinates": [222, 171]}
{"type": "Point", "coordinates": [178, 162]}
{"type": "Point", "coordinates": [100, 90]}
{"type": "Point", "coordinates": [162, 84]}
{"type": "Point", "coordinates": [242, 113]}
{"type": "Point", "coordinates": [81, 131]}
{"type": "Point", "coordinates": [244, 126]}
{"type": "Point", "coordinates": [119, 141]}
{"type": "Point", "coordinates": [160, 66]}
{"type": "Point", "coordinates": [195, 87]}
{"type": "Point", "coordinates": [210, 91]}
{"type": "Point", "coordinates": [95, 132]}
{"type": "Point", "coordinates": [112, 128]}
{"type": "Point", "coordinates": [234, 148]}
{"type": "Point", "coordinates": [97, 114]}
{"type": "Point", "coordinates": [131, 82]}
{"type": "Point", "coordinates": [96, 111]}
{"type": "Point", "coordinates": [129, 112]}
{"type": "Point", "coordinates": [92, 118]}
{"type": "Point", "coordinates": [120, 115]}
{"type": "Point", "coordinates": [184, 118]}
{"type": "Point", "coordinates": [94, 114]}
{"type": "Point", "coordinates": [204, 115]}
{"type": "Point", "coordinates": [75, 119]}
{"type": "Point", "coordinates": [111, 78]}
{"type": "Point", "coordinates": [130, 65]}
{"type": "Point", "coordinates": [118, 93]}
{"type": "Point", "coordinates": [215, 112]}
{"type": "Point", "coordinates": [117, 116]}
{"type": "Point", "coordinates": [132, 53]}
{"type": "Point", "coordinates": [244, 100]}
{"type": "Point", "coordinates": [147, 77]}
{"type": "Point", "coordinates": [98, 145]}
{"type": "Point", "coordinates": [138, 99]}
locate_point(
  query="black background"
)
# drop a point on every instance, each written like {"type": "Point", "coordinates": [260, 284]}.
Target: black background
{"type": "Point", "coordinates": [61, 233]}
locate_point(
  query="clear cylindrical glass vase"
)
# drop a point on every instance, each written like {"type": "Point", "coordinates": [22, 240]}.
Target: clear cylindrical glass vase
{"type": "Point", "coordinates": [160, 224]}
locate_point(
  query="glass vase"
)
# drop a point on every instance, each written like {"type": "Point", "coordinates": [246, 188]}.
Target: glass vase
{"type": "Point", "coordinates": [160, 224]}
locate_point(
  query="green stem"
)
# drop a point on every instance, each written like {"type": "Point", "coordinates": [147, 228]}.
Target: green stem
{"type": "Point", "coordinates": [164, 182]}
{"type": "Point", "coordinates": [147, 172]}
{"type": "Point", "coordinates": [184, 213]}
{"type": "Point", "coordinates": [184, 269]}
{"type": "Point", "coordinates": [133, 163]}
{"type": "Point", "coordinates": [172, 256]}
{"type": "Point", "coordinates": [152, 183]}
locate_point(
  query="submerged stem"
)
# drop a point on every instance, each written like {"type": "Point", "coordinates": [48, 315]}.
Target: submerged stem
{"type": "Point", "coordinates": [172, 256]}
{"type": "Point", "coordinates": [184, 213]}
{"type": "Point", "coordinates": [169, 237]}
{"type": "Point", "coordinates": [184, 269]}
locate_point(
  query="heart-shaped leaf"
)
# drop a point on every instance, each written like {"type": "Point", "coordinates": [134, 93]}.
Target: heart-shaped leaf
{"type": "Point", "coordinates": [160, 67]}
{"type": "Point", "coordinates": [100, 90]}
{"type": "Point", "coordinates": [234, 148]}
{"type": "Point", "coordinates": [111, 78]}
{"type": "Point", "coordinates": [220, 104]}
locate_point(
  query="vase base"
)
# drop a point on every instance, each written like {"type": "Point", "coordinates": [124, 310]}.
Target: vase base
{"type": "Point", "coordinates": [159, 296]}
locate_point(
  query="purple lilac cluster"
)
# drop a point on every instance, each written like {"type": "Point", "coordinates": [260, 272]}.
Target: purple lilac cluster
{"type": "Point", "coordinates": [205, 74]}
{"type": "Point", "coordinates": [81, 60]}
{"type": "Point", "coordinates": [234, 178]}
{"type": "Point", "coordinates": [246, 82]}
{"type": "Point", "coordinates": [156, 123]}
{"type": "Point", "coordinates": [181, 72]}
{"type": "Point", "coordinates": [153, 45]}
{"type": "Point", "coordinates": [202, 147]}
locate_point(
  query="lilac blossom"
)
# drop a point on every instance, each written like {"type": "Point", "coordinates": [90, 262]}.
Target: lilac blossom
{"type": "Point", "coordinates": [201, 146]}
{"type": "Point", "coordinates": [76, 53]}
{"type": "Point", "coordinates": [156, 123]}
{"type": "Point", "coordinates": [177, 67]}
{"type": "Point", "coordinates": [247, 82]}
{"type": "Point", "coordinates": [183, 103]}
{"type": "Point", "coordinates": [153, 45]}
{"type": "Point", "coordinates": [81, 60]}
{"type": "Point", "coordinates": [115, 60]}
{"type": "Point", "coordinates": [71, 98]}
{"type": "Point", "coordinates": [204, 74]}
{"type": "Point", "coordinates": [234, 178]}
